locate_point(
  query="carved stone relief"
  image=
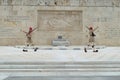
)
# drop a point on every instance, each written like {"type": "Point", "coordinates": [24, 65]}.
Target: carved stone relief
{"type": "Point", "coordinates": [60, 20]}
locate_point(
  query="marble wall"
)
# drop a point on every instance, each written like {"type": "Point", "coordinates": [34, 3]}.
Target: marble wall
{"type": "Point", "coordinates": [60, 17]}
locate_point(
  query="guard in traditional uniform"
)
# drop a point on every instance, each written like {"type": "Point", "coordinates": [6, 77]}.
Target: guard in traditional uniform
{"type": "Point", "coordinates": [91, 38]}
{"type": "Point", "coordinates": [29, 40]}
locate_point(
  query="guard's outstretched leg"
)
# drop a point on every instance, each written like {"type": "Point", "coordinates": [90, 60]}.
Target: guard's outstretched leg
{"type": "Point", "coordinates": [94, 50]}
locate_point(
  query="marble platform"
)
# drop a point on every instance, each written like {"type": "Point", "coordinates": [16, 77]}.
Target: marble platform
{"type": "Point", "coordinates": [61, 63]}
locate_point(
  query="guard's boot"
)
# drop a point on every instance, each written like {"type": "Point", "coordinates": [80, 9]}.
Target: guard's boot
{"type": "Point", "coordinates": [85, 49]}
{"type": "Point", "coordinates": [93, 46]}
{"type": "Point", "coordinates": [95, 51]}
{"type": "Point", "coordinates": [24, 50]}
{"type": "Point", "coordinates": [35, 49]}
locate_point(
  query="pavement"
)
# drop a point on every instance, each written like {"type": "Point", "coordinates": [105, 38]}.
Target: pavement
{"type": "Point", "coordinates": [13, 57]}
{"type": "Point", "coordinates": [10, 53]}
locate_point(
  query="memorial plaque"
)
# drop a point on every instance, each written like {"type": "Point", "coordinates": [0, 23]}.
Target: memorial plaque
{"type": "Point", "coordinates": [17, 18]}
{"type": "Point", "coordinates": [9, 32]}
{"type": "Point", "coordinates": [112, 32]}
{"type": "Point", "coordinates": [102, 19]}
{"type": "Point", "coordinates": [60, 42]}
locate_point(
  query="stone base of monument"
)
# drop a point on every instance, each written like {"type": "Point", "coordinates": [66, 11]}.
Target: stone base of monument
{"type": "Point", "coordinates": [59, 64]}
{"type": "Point", "coordinates": [95, 70]}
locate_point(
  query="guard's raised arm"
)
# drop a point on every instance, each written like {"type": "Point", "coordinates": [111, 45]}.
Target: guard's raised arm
{"type": "Point", "coordinates": [23, 31]}
{"type": "Point", "coordinates": [87, 27]}
{"type": "Point", "coordinates": [96, 28]}
{"type": "Point", "coordinates": [34, 29]}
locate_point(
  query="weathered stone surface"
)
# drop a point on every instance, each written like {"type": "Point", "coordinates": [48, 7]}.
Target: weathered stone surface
{"type": "Point", "coordinates": [85, 3]}
{"type": "Point", "coordinates": [67, 17]}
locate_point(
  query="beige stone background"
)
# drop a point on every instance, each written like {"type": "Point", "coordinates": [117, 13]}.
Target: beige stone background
{"type": "Point", "coordinates": [60, 17]}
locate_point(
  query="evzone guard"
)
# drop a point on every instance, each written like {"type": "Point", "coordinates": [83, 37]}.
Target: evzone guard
{"type": "Point", "coordinates": [91, 38]}
{"type": "Point", "coordinates": [29, 41]}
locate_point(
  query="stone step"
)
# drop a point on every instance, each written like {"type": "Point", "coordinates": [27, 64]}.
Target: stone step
{"type": "Point", "coordinates": [60, 63]}
{"type": "Point", "coordinates": [61, 70]}
{"type": "Point", "coordinates": [63, 78]}
{"type": "Point", "coordinates": [95, 66]}
{"type": "Point", "coordinates": [57, 66]}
